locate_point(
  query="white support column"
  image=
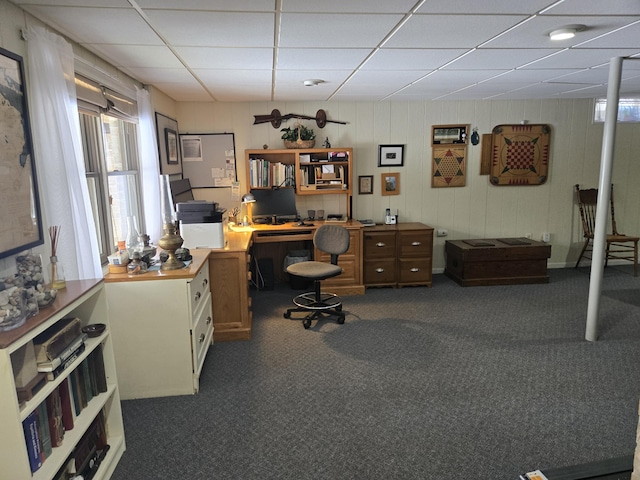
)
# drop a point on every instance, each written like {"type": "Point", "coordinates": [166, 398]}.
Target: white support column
{"type": "Point", "coordinates": [604, 196]}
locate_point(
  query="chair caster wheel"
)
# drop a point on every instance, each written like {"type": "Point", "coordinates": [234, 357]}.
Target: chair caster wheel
{"type": "Point", "coordinates": [306, 324]}
{"type": "Point", "coordinates": [286, 314]}
{"type": "Point", "coordinates": [339, 308]}
{"type": "Point", "coordinates": [340, 320]}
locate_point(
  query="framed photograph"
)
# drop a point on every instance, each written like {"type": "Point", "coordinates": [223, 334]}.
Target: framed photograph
{"type": "Point", "coordinates": [171, 141]}
{"type": "Point", "coordinates": [20, 213]}
{"type": "Point", "coordinates": [365, 184]}
{"type": "Point", "coordinates": [390, 184]}
{"type": "Point", "coordinates": [169, 153]}
{"type": "Point", "coordinates": [449, 134]}
{"type": "Point", "coordinates": [390, 155]}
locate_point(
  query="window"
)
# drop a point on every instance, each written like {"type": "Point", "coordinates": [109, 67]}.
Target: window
{"type": "Point", "coordinates": [628, 110]}
{"type": "Point", "coordinates": [111, 163]}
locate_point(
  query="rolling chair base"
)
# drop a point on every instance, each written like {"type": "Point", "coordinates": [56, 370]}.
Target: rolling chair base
{"type": "Point", "coordinates": [327, 305]}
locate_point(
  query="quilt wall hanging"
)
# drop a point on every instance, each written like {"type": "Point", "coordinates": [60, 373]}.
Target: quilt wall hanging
{"type": "Point", "coordinates": [520, 154]}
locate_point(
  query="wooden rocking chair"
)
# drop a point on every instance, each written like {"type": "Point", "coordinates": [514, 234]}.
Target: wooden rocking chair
{"type": "Point", "coordinates": [619, 246]}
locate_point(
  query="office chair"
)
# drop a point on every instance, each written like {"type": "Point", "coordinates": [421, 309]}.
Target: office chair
{"type": "Point", "coordinates": [619, 246]}
{"type": "Point", "coordinates": [332, 239]}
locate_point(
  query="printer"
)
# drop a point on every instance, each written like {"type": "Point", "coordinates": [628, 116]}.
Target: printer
{"type": "Point", "coordinates": [202, 224]}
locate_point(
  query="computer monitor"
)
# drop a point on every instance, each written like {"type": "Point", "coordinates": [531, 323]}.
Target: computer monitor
{"type": "Point", "coordinates": [274, 205]}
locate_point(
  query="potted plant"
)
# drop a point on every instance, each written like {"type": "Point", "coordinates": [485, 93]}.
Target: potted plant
{"type": "Point", "coordinates": [298, 137]}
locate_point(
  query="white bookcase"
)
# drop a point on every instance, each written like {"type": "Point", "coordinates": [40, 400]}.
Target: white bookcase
{"type": "Point", "coordinates": [86, 300]}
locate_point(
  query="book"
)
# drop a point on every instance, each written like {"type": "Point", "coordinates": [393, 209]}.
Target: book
{"type": "Point", "coordinates": [54, 340]}
{"type": "Point", "coordinates": [52, 364]}
{"type": "Point", "coordinates": [30, 428]}
{"type": "Point", "coordinates": [44, 433]}
{"type": "Point", "coordinates": [97, 363]}
{"type": "Point", "coordinates": [368, 222]}
{"type": "Point", "coordinates": [54, 412]}
{"type": "Point", "coordinates": [535, 475]}
{"type": "Point", "coordinates": [63, 366]}
{"type": "Point", "coordinates": [86, 378]}
{"type": "Point", "coordinates": [65, 402]}
{"type": "Point", "coordinates": [75, 393]}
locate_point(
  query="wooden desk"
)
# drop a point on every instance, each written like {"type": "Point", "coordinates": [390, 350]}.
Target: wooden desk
{"type": "Point", "coordinates": [494, 261]}
{"type": "Point", "coordinates": [229, 270]}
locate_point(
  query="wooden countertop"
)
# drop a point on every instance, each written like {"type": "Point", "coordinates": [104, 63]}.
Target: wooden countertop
{"type": "Point", "coordinates": [200, 255]}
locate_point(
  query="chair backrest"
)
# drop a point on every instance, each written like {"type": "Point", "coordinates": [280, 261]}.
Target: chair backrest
{"type": "Point", "coordinates": [332, 239]}
{"type": "Point", "coordinates": [588, 204]}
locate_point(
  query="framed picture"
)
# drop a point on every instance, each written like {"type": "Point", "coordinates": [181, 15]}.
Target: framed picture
{"type": "Point", "coordinates": [390, 155]}
{"type": "Point", "coordinates": [390, 184]}
{"type": "Point", "coordinates": [171, 141]}
{"type": "Point", "coordinates": [449, 134]}
{"type": "Point", "coordinates": [169, 152]}
{"type": "Point", "coordinates": [20, 213]}
{"type": "Point", "coordinates": [365, 184]}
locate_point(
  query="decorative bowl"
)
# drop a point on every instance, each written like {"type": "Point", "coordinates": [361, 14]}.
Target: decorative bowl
{"type": "Point", "coordinates": [94, 329]}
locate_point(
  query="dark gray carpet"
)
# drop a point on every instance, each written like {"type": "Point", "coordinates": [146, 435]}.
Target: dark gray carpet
{"type": "Point", "coordinates": [443, 383]}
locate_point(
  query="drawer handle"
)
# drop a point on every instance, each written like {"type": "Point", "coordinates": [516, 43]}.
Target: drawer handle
{"type": "Point", "coordinates": [414, 269]}
{"type": "Point", "coordinates": [205, 282]}
{"type": "Point", "coordinates": [415, 244]}
{"type": "Point", "coordinates": [208, 322]}
{"type": "Point", "coordinates": [379, 270]}
{"type": "Point", "coordinates": [201, 339]}
{"type": "Point", "coordinates": [198, 295]}
{"type": "Point", "coordinates": [381, 244]}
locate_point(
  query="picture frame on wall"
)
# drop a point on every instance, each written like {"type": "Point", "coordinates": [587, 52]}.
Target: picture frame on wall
{"type": "Point", "coordinates": [390, 184]}
{"type": "Point", "coordinates": [20, 216]}
{"type": "Point", "coordinates": [169, 153]}
{"type": "Point", "coordinates": [390, 155]}
{"type": "Point", "coordinates": [365, 184]}
{"type": "Point", "coordinates": [171, 141]}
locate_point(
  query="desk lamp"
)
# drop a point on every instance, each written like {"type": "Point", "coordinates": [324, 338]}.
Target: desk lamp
{"type": "Point", "coordinates": [247, 199]}
{"type": "Point", "coordinates": [170, 241]}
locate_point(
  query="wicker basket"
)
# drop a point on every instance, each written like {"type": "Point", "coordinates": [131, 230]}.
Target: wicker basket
{"type": "Point", "coordinates": [303, 144]}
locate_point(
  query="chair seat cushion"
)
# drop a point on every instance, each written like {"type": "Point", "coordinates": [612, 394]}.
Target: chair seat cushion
{"type": "Point", "coordinates": [314, 270]}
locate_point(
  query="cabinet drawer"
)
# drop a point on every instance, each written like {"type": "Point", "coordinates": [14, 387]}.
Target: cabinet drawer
{"type": "Point", "coordinates": [377, 245]}
{"type": "Point", "coordinates": [202, 335]}
{"type": "Point", "coordinates": [378, 272]}
{"type": "Point", "coordinates": [415, 244]}
{"type": "Point", "coordinates": [348, 275]}
{"type": "Point", "coordinates": [198, 288]}
{"type": "Point", "coordinates": [414, 271]}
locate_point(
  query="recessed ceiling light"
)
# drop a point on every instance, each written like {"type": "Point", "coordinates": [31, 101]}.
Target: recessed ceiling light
{"type": "Point", "coordinates": [313, 82]}
{"type": "Point", "coordinates": [565, 33]}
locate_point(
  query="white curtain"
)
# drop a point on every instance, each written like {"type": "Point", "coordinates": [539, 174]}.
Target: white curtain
{"type": "Point", "coordinates": [58, 152]}
{"type": "Point", "coordinates": [149, 167]}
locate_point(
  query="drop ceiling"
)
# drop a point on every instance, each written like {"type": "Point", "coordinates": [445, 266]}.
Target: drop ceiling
{"type": "Point", "coordinates": [362, 50]}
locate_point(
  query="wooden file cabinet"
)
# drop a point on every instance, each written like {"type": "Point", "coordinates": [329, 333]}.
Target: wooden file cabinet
{"type": "Point", "coordinates": [162, 327]}
{"type": "Point", "coordinates": [230, 277]}
{"type": "Point", "coordinates": [398, 255]}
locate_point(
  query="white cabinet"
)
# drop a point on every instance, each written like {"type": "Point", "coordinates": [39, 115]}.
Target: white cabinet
{"type": "Point", "coordinates": [162, 327]}
{"type": "Point", "coordinates": [85, 300]}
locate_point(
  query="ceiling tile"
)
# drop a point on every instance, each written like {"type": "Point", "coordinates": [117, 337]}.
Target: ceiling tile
{"type": "Point", "coordinates": [411, 58]}
{"type": "Point", "coordinates": [139, 55]}
{"type": "Point", "coordinates": [226, 58]}
{"type": "Point", "coordinates": [320, 58]}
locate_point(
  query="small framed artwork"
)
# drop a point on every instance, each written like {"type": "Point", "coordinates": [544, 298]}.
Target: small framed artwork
{"type": "Point", "coordinates": [390, 184]}
{"type": "Point", "coordinates": [365, 184]}
{"type": "Point", "coordinates": [390, 155]}
{"type": "Point", "coordinates": [171, 141]}
{"type": "Point", "coordinates": [169, 152]}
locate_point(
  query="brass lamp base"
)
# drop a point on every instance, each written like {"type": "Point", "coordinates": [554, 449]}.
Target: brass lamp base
{"type": "Point", "coordinates": [170, 242]}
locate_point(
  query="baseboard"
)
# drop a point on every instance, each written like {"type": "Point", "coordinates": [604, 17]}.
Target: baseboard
{"type": "Point", "coordinates": [619, 468]}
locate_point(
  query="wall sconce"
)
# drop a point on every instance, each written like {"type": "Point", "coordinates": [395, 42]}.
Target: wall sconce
{"type": "Point", "coordinates": [247, 199]}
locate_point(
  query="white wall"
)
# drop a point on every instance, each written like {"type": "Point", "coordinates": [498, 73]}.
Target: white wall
{"type": "Point", "coordinates": [476, 210]}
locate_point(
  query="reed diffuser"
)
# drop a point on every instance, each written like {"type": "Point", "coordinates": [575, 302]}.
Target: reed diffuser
{"type": "Point", "coordinates": [56, 271]}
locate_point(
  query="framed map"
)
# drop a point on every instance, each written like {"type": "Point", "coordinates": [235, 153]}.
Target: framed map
{"type": "Point", "coordinates": [20, 213]}
{"type": "Point", "coordinates": [520, 154]}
